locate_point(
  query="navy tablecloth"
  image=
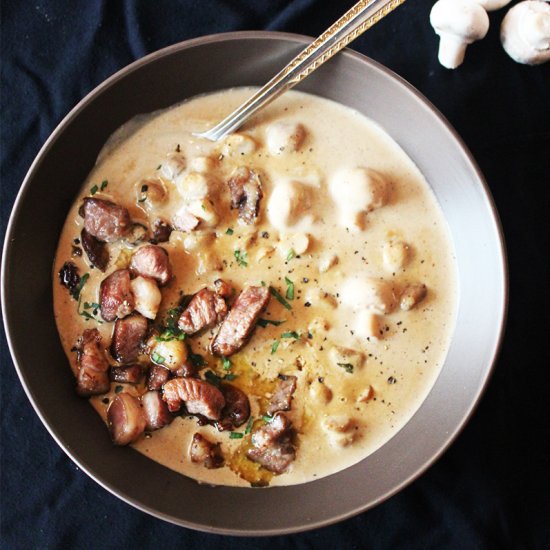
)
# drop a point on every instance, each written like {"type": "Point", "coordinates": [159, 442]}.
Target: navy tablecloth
{"type": "Point", "coordinates": [491, 489]}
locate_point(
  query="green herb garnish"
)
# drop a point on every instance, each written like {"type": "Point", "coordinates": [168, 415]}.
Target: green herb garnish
{"type": "Point", "coordinates": [118, 389]}
{"type": "Point", "coordinates": [229, 231]}
{"type": "Point", "coordinates": [76, 292]}
{"type": "Point", "coordinates": [94, 190]}
{"type": "Point", "coordinates": [241, 258]}
{"type": "Point", "coordinates": [235, 435]}
{"type": "Point", "coordinates": [213, 378]}
{"type": "Point", "coordinates": [249, 425]}
{"type": "Point", "coordinates": [226, 363]}
{"type": "Point", "coordinates": [104, 184]}
{"type": "Point", "coordinates": [197, 360]}
{"type": "Point", "coordinates": [291, 334]}
{"type": "Point", "coordinates": [348, 367]}
{"type": "Point", "coordinates": [291, 254]}
{"type": "Point", "coordinates": [159, 166]}
{"type": "Point", "coordinates": [229, 376]}
{"type": "Point", "coordinates": [157, 358]}
{"type": "Point", "coordinates": [264, 322]}
{"type": "Point", "coordinates": [279, 298]}
{"type": "Point", "coordinates": [274, 346]}
{"type": "Point", "coordinates": [290, 289]}
{"type": "Point", "coordinates": [267, 418]}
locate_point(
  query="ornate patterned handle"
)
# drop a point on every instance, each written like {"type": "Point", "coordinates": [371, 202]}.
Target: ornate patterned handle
{"type": "Point", "coordinates": [354, 22]}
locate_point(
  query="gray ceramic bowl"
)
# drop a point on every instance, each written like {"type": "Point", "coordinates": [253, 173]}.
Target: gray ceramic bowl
{"type": "Point", "coordinates": [165, 78]}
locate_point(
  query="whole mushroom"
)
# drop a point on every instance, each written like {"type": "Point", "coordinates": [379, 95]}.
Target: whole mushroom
{"type": "Point", "coordinates": [525, 32]}
{"type": "Point", "coordinates": [458, 23]}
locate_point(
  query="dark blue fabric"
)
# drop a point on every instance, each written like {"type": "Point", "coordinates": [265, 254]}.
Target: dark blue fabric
{"type": "Point", "coordinates": [491, 489]}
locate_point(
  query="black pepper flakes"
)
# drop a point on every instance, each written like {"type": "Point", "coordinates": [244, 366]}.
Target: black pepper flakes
{"type": "Point", "coordinates": [392, 380]}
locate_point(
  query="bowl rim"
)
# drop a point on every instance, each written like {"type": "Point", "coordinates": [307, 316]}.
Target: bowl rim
{"type": "Point", "coordinates": [8, 250]}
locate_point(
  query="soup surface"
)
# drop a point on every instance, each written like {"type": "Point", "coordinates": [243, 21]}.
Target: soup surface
{"type": "Point", "coordinates": [330, 254]}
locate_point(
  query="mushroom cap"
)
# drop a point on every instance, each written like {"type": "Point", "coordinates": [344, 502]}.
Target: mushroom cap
{"type": "Point", "coordinates": [492, 5]}
{"type": "Point", "coordinates": [463, 18]}
{"type": "Point", "coordinates": [525, 32]}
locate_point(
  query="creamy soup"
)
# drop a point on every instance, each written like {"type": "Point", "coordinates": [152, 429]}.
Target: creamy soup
{"type": "Point", "coordinates": [330, 289]}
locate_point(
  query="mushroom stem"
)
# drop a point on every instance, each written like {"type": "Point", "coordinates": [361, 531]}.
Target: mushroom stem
{"type": "Point", "coordinates": [451, 51]}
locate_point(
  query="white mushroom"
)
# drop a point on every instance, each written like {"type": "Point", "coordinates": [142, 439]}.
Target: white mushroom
{"type": "Point", "coordinates": [238, 145]}
{"type": "Point", "coordinates": [202, 164]}
{"type": "Point", "coordinates": [525, 32]}
{"type": "Point", "coordinates": [368, 325]}
{"type": "Point", "coordinates": [293, 244]}
{"type": "Point", "coordinates": [288, 203]}
{"type": "Point", "coordinates": [395, 255]}
{"type": "Point", "coordinates": [193, 187]}
{"type": "Point", "coordinates": [357, 191]}
{"type": "Point", "coordinates": [284, 137]}
{"type": "Point", "coordinates": [173, 166]}
{"type": "Point", "coordinates": [493, 5]}
{"type": "Point", "coordinates": [147, 296]}
{"type": "Point", "coordinates": [372, 294]}
{"type": "Point", "coordinates": [340, 429]}
{"type": "Point", "coordinates": [458, 23]}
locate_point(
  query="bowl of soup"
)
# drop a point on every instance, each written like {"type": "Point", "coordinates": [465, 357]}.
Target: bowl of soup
{"type": "Point", "coordinates": [266, 334]}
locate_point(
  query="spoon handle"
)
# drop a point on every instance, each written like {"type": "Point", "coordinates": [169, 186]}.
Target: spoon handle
{"type": "Point", "coordinates": [354, 22]}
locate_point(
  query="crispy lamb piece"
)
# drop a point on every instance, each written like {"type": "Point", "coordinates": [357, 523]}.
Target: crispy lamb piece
{"type": "Point", "coordinates": [157, 377]}
{"type": "Point", "coordinates": [125, 418]}
{"type": "Point", "coordinates": [223, 288]}
{"type": "Point", "coordinates": [156, 412]}
{"type": "Point", "coordinates": [272, 445]}
{"type": "Point", "coordinates": [115, 295]}
{"type": "Point", "coordinates": [152, 261]}
{"type": "Point", "coordinates": [282, 398]}
{"type": "Point", "coordinates": [130, 374]}
{"type": "Point", "coordinates": [95, 249]}
{"type": "Point", "coordinates": [237, 408]}
{"type": "Point", "coordinates": [199, 397]}
{"type": "Point", "coordinates": [161, 231]}
{"type": "Point", "coordinates": [246, 193]}
{"type": "Point", "coordinates": [205, 452]}
{"type": "Point", "coordinates": [239, 323]}
{"type": "Point", "coordinates": [105, 220]}
{"type": "Point", "coordinates": [128, 335]}
{"type": "Point", "coordinates": [93, 377]}
{"type": "Point", "coordinates": [205, 309]}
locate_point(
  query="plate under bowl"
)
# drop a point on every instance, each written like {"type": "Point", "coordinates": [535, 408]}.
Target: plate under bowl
{"type": "Point", "coordinates": [170, 76]}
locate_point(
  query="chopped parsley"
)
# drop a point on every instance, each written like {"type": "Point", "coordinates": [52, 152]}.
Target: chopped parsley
{"type": "Point", "coordinates": [104, 184]}
{"type": "Point", "coordinates": [229, 376]}
{"type": "Point", "coordinates": [159, 166]}
{"type": "Point", "coordinates": [274, 346]}
{"type": "Point", "coordinates": [157, 358]}
{"type": "Point", "coordinates": [170, 329]}
{"type": "Point", "coordinates": [94, 190]}
{"type": "Point", "coordinates": [241, 258]}
{"type": "Point", "coordinates": [292, 334]}
{"type": "Point", "coordinates": [235, 435]}
{"type": "Point", "coordinates": [289, 289]}
{"type": "Point", "coordinates": [118, 389]}
{"type": "Point", "coordinates": [249, 425]}
{"type": "Point", "coordinates": [279, 298]}
{"type": "Point", "coordinates": [226, 363]}
{"type": "Point", "coordinates": [265, 322]}
{"type": "Point", "coordinates": [267, 418]}
{"type": "Point", "coordinates": [348, 367]}
{"type": "Point", "coordinates": [76, 292]}
{"type": "Point", "coordinates": [212, 377]}
{"type": "Point", "coordinates": [291, 254]}
{"type": "Point", "coordinates": [229, 231]}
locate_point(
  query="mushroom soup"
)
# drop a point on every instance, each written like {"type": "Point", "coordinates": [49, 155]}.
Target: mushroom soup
{"type": "Point", "coordinates": [262, 311]}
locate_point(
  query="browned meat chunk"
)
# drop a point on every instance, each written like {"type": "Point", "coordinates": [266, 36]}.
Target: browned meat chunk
{"type": "Point", "coordinates": [161, 231]}
{"type": "Point", "coordinates": [152, 261]}
{"type": "Point", "coordinates": [105, 220]}
{"type": "Point", "coordinates": [204, 452]}
{"type": "Point", "coordinates": [131, 374]}
{"type": "Point", "coordinates": [239, 323]}
{"type": "Point", "coordinates": [95, 249]}
{"type": "Point", "coordinates": [412, 295]}
{"type": "Point", "coordinates": [281, 399]}
{"type": "Point", "coordinates": [156, 411]}
{"type": "Point", "coordinates": [223, 289]}
{"type": "Point", "coordinates": [69, 277]}
{"type": "Point", "coordinates": [272, 445]}
{"type": "Point", "coordinates": [125, 418]}
{"type": "Point", "coordinates": [237, 408]}
{"type": "Point", "coordinates": [115, 295]}
{"type": "Point", "coordinates": [93, 377]}
{"type": "Point", "coordinates": [157, 377]}
{"type": "Point", "coordinates": [246, 193]}
{"type": "Point", "coordinates": [198, 396]}
{"type": "Point", "coordinates": [205, 309]}
{"type": "Point", "coordinates": [128, 336]}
